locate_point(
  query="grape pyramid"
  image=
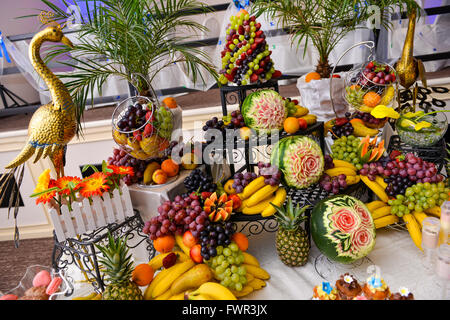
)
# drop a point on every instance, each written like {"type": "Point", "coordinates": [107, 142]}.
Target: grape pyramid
{"type": "Point", "coordinates": [246, 56]}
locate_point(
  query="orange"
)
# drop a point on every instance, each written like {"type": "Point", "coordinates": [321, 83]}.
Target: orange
{"type": "Point", "coordinates": [291, 125]}
{"type": "Point", "coordinates": [170, 102]}
{"type": "Point", "coordinates": [142, 275]}
{"type": "Point", "coordinates": [241, 241]}
{"type": "Point", "coordinates": [312, 76]}
{"type": "Point", "coordinates": [159, 177]}
{"type": "Point", "coordinates": [170, 167]}
{"type": "Point", "coordinates": [371, 99]}
{"type": "Point", "coordinates": [356, 120]}
{"type": "Point", "coordinates": [164, 145]}
{"type": "Point", "coordinates": [164, 244]}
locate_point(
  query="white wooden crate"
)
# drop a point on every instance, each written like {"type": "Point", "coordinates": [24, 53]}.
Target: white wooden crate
{"type": "Point", "coordinates": [86, 217]}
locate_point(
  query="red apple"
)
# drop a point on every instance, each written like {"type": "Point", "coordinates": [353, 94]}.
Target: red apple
{"type": "Point", "coordinates": [189, 240]}
{"type": "Point", "coordinates": [195, 253]}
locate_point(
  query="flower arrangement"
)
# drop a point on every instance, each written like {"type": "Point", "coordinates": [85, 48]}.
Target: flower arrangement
{"type": "Point", "coordinates": [68, 189]}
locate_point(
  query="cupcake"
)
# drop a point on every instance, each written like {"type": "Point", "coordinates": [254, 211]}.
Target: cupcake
{"type": "Point", "coordinates": [376, 289]}
{"type": "Point", "coordinates": [347, 287]}
{"type": "Point", "coordinates": [403, 294]}
{"type": "Point", "coordinates": [324, 292]}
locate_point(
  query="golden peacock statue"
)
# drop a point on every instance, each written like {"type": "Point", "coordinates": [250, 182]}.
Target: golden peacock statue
{"type": "Point", "coordinates": [51, 127]}
{"type": "Point", "coordinates": [409, 68]}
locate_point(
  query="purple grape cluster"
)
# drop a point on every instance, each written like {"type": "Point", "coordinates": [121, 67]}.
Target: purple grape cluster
{"type": "Point", "coordinates": [333, 184]}
{"type": "Point", "coordinates": [368, 118]}
{"type": "Point", "coordinates": [271, 174]}
{"type": "Point", "coordinates": [241, 180]}
{"type": "Point", "coordinates": [198, 180]}
{"type": "Point", "coordinates": [214, 235]}
{"type": "Point", "coordinates": [342, 127]}
{"type": "Point", "coordinates": [328, 162]}
{"type": "Point", "coordinates": [237, 120]}
{"type": "Point", "coordinates": [122, 158]}
{"type": "Point", "coordinates": [178, 216]}
{"type": "Point", "coordinates": [133, 118]}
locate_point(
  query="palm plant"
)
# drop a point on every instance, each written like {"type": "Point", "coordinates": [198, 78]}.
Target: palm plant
{"type": "Point", "coordinates": [324, 23]}
{"type": "Point", "coordinates": [132, 39]}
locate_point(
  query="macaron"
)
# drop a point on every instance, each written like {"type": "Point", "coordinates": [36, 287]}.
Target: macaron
{"type": "Point", "coordinates": [9, 297]}
{"type": "Point", "coordinates": [53, 286]}
{"type": "Point", "coordinates": [42, 279]}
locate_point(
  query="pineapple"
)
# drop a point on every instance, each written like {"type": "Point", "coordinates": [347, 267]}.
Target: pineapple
{"type": "Point", "coordinates": [323, 68]}
{"type": "Point", "coordinates": [291, 239]}
{"type": "Point", "coordinates": [118, 269]}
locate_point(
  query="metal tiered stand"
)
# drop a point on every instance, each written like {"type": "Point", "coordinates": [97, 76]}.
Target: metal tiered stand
{"type": "Point", "coordinates": [81, 252]}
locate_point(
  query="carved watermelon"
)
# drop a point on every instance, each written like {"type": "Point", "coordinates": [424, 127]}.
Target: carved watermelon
{"type": "Point", "coordinates": [264, 110]}
{"type": "Point", "coordinates": [300, 159]}
{"type": "Point", "coordinates": [342, 228]}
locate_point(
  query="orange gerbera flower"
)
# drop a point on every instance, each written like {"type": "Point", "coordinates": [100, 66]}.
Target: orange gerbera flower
{"type": "Point", "coordinates": [94, 185]}
{"type": "Point", "coordinates": [44, 183]}
{"type": "Point", "coordinates": [122, 170]}
{"type": "Point", "coordinates": [62, 183]}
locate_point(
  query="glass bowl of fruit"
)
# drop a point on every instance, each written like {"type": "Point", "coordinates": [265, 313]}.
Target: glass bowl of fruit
{"type": "Point", "coordinates": [369, 85]}
{"type": "Point", "coordinates": [421, 129]}
{"type": "Point", "coordinates": [142, 128]}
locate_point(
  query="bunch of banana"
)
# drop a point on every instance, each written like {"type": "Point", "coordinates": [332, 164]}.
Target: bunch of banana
{"type": "Point", "coordinates": [381, 214]}
{"type": "Point", "coordinates": [257, 196]}
{"type": "Point", "coordinates": [376, 187]}
{"type": "Point", "coordinates": [211, 291]}
{"type": "Point", "coordinates": [360, 130]}
{"type": "Point", "coordinates": [344, 167]}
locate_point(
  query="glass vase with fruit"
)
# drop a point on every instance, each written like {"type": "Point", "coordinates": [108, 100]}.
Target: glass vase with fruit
{"type": "Point", "coordinates": [142, 128]}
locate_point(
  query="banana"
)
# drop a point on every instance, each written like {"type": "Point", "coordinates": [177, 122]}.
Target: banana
{"type": "Point", "coordinates": [352, 179]}
{"type": "Point", "coordinates": [414, 229]}
{"type": "Point", "coordinates": [259, 207]}
{"type": "Point", "coordinates": [376, 188]}
{"type": "Point", "coordinates": [156, 280]}
{"type": "Point", "coordinates": [420, 216]}
{"type": "Point", "coordinates": [257, 284]}
{"type": "Point", "coordinates": [192, 279]}
{"type": "Point", "coordinates": [165, 296]}
{"type": "Point", "coordinates": [261, 194]}
{"type": "Point", "coordinates": [360, 130]}
{"type": "Point", "coordinates": [98, 296]}
{"type": "Point", "coordinates": [385, 221]}
{"type": "Point", "coordinates": [214, 290]}
{"type": "Point", "coordinates": [375, 205]}
{"type": "Point", "coordinates": [300, 111]}
{"type": "Point", "coordinates": [179, 241]}
{"type": "Point", "coordinates": [257, 272]}
{"type": "Point", "coordinates": [310, 119]}
{"type": "Point", "coordinates": [388, 95]}
{"type": "Point", "coordinates": [88, 297]}
{"type": "Point", "coordinates": [156, 261]}
{"type": "Point", "coordinates": [182, 256]}
{"type": "Point", "coordinates": [249, 277]}
{"type": "Point", "coordinates": [249, 259]}
{"type": "Point", "coordinates": [280, 197]}
{"type": "Point", "coordinates": [179, 296]}
{"type": "Point", "coordinates": [343, 163]}
{"type": "Point", "coordinates": [202, 296]}
{"type": "Point", "coordinates": [381, 182]}
{"type": "Point", "coordinates": [381, 212]}
{"type": "Point", "coordinates": [252, 187]}
{"type": "Point", "coordinates": [435, 211]}
{"type": "Point", "coordinates": [246, 290]}
{"type": "Point", "coordinates": [175, 271]}
{"type": "Point", "coordinates": [333, 172]}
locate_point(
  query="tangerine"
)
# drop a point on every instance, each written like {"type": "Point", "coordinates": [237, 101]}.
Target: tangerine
{"type": "Point", "coordinates": [371, 99]}
{"type": "Point", "coordinates": [170, 167]}
{"type": "Point", "coordinates": [241, 240]}
{"type": "Point", "coordinates": [312, 76]}
{"type": "Point", "coordinates": [142, 275]}
{"type": "Point", "coordinates": [170, 102]}
{"type": "Point", "coordinates": [291, 125]}
{"type": "Point", "coordinates": [164, 244]}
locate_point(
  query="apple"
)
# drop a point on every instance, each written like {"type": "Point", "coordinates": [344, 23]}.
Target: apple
{"type": "Point", "coordinates": [195, 253]}
{"type": "Point", "coordinates": [189, 240]}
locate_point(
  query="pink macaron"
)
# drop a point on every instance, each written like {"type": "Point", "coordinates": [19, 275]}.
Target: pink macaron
{"type": "Point", "coordinates": [42, 279]}
{"type": "Point", "coordinates": [53, 286]}
{"type": "Point", "coordinates": [9, 297]}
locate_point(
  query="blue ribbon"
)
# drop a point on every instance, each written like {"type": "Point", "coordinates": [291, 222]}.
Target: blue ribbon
{"type": "Point", "coordinates": [3, 48]}
{"type": "Point", "coordinates": [241, 4]}
{"type": "Point", "coordinates": [326, 287]}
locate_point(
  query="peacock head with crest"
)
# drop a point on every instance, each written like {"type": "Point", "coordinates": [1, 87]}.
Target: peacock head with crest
{"type": "Point", "coordinates": [54, 33]}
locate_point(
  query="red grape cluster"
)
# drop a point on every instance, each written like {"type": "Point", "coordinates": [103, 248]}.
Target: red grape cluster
{"type": "Point", "coordinates": [368, 118]}
{"type": "Point", "coordinates": [333, 184]}
{"type": "Point", "coordinates": [328, 162]}
{"type": "Point", "coordinates": [178, 216]}
{"type": "Point", "coordinates": [241, 180]}
{"type": "Point", "coordinates": [271, 174]}
{"type": "Point", "coordinates": [379, 73]}
{"type": "Point", "coordinates": [214, 235]}
{"type": "Point", "coordinates": [236, 121]}
{"type": "Point", "coordinates": [122, 158]}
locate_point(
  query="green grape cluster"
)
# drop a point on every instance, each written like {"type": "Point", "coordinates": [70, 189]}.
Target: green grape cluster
{"type": "Point", "coordinates": [419, 197]}
{"type": "Point", "coordinates": [291, 107]}
{"type": "Point", "coordinates": [164, 119]}
{"type": "Point", "coordinates": [355, 96]}
{"type": "Point", "coordinates": [227, 267]}
{"type": "Point", "coordinates": [346, 148]}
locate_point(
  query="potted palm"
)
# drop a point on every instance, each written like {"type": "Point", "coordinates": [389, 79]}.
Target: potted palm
{"type": "Point", "coordinates": [324, 24]}
{"type": "Point", "coordinates": [132, 39]}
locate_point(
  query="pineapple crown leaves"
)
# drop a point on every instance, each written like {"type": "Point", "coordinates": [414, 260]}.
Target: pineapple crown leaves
{"type": "Point", "coordinates": [290, 217]}
{"type": "Point", "coordinates": [116, 260]}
